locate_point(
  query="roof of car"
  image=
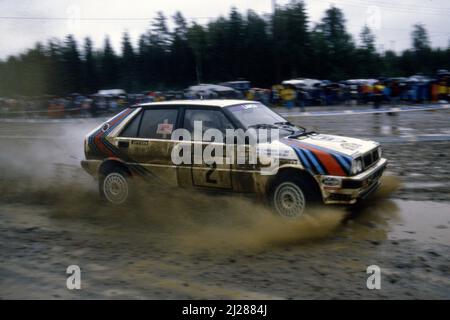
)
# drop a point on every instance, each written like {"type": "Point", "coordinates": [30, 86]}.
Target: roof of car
{"type": "Point", "coordinates": [212, 103]}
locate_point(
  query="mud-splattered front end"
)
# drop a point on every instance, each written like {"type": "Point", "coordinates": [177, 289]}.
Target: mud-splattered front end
{"type": "Point", "coordinates": [346, 169]}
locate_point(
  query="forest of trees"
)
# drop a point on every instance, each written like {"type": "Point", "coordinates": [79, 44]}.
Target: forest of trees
{"type": "Point", "coordinates": [262, 49]}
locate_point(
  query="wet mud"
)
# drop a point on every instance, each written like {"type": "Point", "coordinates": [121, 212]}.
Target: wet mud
{"type": "Point", "coordinates": [180, 244]}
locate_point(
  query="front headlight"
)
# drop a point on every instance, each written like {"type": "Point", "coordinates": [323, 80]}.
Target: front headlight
{"type": "Point", "coordinates": [332, 182]}
{"type": "Point", "coordinates": [357, 166]}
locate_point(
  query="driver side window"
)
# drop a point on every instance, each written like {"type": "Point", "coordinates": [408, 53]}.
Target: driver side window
{"type": "Point", "coordinates": [210, 119]}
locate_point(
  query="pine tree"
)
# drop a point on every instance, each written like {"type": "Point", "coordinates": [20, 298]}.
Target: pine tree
{"type": "Point", "coordinates": [368, 61]}
{"type": "Point", "coordinates": [109, 67]}
{"type": "Point", "coordinates": [258, 53]}
{"type": "Point", "coordinates": [71, 75]}
{"type": "Point", "coordinates": [420, 40]}
{"type": "Point", "coordinates": [291, 40]}
{"type": "Point", "coordinates": [234, 39]}
{"type": "Point", "coordinates": [196, 36]}
{"type": "Point", "coordinates": [128, 74]}
{"type": "Point", "coordinates": [367, 39]}
{"type": "Point", "coordinates": [158, 52]}
{"type": "Point", "coordinates": [422, 49]}
{"type": "Point", "coordinates": [338, 42]}
{"type": "Point", "coordinates": [182, 59]}
{"type": "Point", "coordinates": [90, 70]}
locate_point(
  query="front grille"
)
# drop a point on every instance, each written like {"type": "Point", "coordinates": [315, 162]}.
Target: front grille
{"type": "Point", "coordinates": [375, 176]}
{"type": "Point", "coordinates": [370, 158]}
{"type": "Point", "coordinates": [355, 184]}
{"type": "Point", "coordinates": [352, 184]}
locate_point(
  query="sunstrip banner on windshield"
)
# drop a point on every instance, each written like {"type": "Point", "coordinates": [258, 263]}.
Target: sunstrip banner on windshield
{"type": "Point", "coordinates": [320, 160]}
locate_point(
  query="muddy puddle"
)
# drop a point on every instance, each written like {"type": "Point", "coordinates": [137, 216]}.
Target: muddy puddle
{"type": "Point", "coordinates": [195, 221]}
{"type": "Point", "coordinates": [183, 245]}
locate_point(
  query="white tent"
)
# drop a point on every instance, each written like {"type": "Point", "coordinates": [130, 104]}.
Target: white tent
{"type": "Point", "coordinates": [211, 91]}
{"type": "Point", "coordinates": [301, 82]}
{"type": "Point", "coordinates": [111, 92]}
{"type": "Point", "coordinates": [209, 87]}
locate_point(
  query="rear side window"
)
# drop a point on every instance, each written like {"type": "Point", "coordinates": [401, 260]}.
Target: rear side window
{"type": "Point", "coordinates": [158, 123]}
{"type": "Point", "coordinates": [131, 130]}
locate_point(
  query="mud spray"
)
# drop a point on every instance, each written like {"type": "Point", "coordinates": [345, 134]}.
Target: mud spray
{"type": "Point", "coordinates": [189, 221]}
{"type": "Point", "coordinates": [47, 173]}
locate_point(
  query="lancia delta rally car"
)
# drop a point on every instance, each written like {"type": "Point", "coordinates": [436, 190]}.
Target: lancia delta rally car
{"type": "Point", "coordinates": [137, 143]}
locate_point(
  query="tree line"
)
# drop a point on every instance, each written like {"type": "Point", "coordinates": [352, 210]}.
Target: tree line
{"type": "Point", "coordinates": [263, 49]}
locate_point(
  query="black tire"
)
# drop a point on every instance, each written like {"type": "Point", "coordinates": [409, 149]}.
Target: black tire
{"type": "Point", "coordinates": [115, 186]}
{"type": "Point", "coordinates": [291, 196]}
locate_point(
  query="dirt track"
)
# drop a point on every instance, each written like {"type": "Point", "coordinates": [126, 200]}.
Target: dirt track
{"type": "Point", "coordinates": [167, 246]}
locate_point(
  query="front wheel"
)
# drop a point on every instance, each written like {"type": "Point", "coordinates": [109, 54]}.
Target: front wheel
{"type": "Point", "coordinates": [115, 186]}
{"type": "Point", "coordinates": [290, 198]}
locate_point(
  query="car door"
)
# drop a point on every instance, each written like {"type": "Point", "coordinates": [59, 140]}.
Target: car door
{"type": "Point", "coordinates": [204, 174]}
{"type": "Point", "coordinates": [147, 142]}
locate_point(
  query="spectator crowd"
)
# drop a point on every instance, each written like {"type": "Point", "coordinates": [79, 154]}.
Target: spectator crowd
{"type": "Point", "coordinates": [297, 92]}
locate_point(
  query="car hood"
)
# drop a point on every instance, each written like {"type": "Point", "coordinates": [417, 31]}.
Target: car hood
{"type": "Point", "coordinates": [347, 146]}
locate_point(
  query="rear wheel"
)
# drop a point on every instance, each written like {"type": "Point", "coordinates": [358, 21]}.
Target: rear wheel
{"type": "Point", "coordinates": [291, 196]}
{"type": "Point", "coordinates": [114, 186]}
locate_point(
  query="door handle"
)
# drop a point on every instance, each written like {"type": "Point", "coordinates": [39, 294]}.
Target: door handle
{"type": "Point", "coordinates": [123, 144]}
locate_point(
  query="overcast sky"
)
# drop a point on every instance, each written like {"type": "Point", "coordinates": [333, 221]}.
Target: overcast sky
{"type": "Point", "coordinates": [391, 21]}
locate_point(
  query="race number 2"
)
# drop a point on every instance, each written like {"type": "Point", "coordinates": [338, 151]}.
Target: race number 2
{"type": "Point", "coordinates": [213, 167]}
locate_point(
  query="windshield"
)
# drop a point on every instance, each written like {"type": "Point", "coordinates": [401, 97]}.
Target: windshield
{"type": "Point", "coordinates": [253, 114]}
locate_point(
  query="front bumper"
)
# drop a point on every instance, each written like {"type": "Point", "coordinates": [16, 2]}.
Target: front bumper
{"type": "Point", "coordinates": [353, 188]}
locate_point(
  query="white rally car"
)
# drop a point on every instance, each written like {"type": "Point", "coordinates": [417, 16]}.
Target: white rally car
{"type": "Point", "coordinates": [139, 143]}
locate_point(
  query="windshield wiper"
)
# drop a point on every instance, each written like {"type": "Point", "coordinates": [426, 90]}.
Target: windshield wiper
{"type": "Point", "coordinates": [263, 125]}
{"type": "Point", "coordinates": [295, 131]}
{"type": "Point", "coordinates": [302, 133]}
{"type": "Point", "coordinates": [277, 125]}
{"type": "Point", "coordinates": [284, 123]}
